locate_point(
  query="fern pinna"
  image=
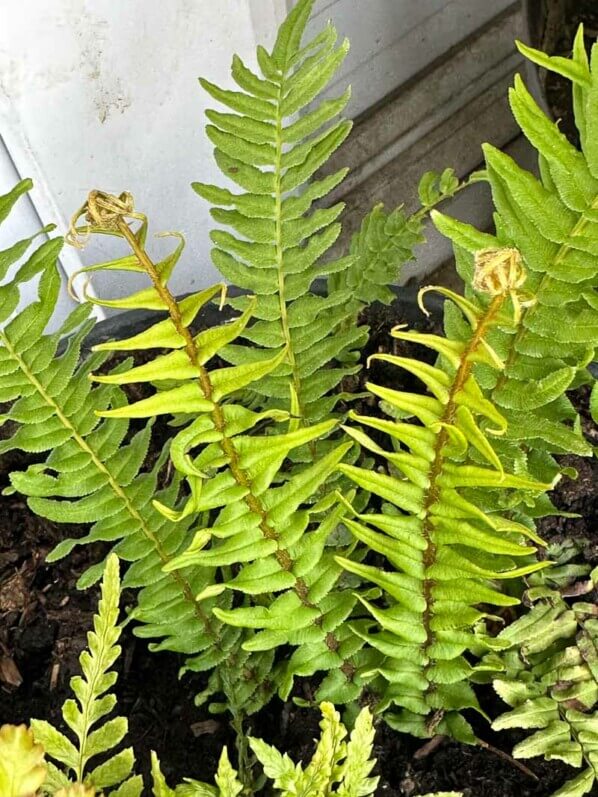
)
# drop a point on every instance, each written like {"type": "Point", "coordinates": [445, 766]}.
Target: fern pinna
{"type": "Point", "coordinates": [553, 223]}
{"type": "Point", "coordinates": [444, 553]}
{"type": "Point", "coordinates": [550, 681]}
{"type": "Point", "coordinates": [252, 534]}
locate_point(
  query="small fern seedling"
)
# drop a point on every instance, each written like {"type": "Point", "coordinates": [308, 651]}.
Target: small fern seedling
{"type": "Point", "coordinates": [337, 767]}
{"type": "Point", "coordinates": [550, 681]}
{"type": "Point", "coordinates": [94, 702]}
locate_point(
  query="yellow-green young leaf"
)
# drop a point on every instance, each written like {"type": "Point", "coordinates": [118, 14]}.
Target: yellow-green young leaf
{"type": "Point", "coordinates": [164, 334]}
{"type": "Point", "coordinates": [159, 786]}
{"type": "Point", "coordinates": [553, 741]}
{"type": "Point", "coordinates": [186, 398]}
{"type": "Point", "coordinates": [132, 787]}
{"type": "Point", "coordinates": [226, 777]}
{"type": "Point", "coordinates": [594, 402]}
{"type": "Point", "coordinates": [573, 70]}
{"type": "Point", "coordinates": [55, 744]}
{"type": "Point", "coordinates": [402, 494]}
{"type": "Point", "coordinates": [77, 790]}
{"type": "Point", "coordinates": [93, 703]}
{"type": "Point", "coordinates": [359, 762]}
{"type": "Point", "coordinates": [114, 771]}
{"type": "Point", "coordinates": [228, 380]}
{"type": "Point", "coordinates": [22, 765]}
{"type": "Point", "coordinates": [577, 786]}
{"type": "Point", "coordinates": [464, 235]}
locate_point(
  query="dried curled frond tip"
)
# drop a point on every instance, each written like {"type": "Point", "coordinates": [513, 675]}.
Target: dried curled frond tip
{"type": "Point", "coordinates": [498, 271]}
{"type": "Point", "coordinates": [101, 211]}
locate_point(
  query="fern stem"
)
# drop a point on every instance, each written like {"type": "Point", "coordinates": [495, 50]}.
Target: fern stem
{"type": "Point", "coordinates": [509, 759]}
{"type": "Point", "coordinates": [112, 481]}
{"type": "Point", "coordinates": [284, 319]}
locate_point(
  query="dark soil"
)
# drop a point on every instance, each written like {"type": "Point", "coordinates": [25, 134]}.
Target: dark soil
{"type": "Point", "coordinates": [558, 40]}
{"type": "Point", "coordinates": [44, 620]}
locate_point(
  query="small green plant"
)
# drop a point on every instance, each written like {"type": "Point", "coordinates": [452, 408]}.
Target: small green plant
{"type": "Point", "coordinates": [550, 676]}
{"type": "Point", "coordinates": [94, 702]}
{"type": "Point", "coordinates": [25, 767]}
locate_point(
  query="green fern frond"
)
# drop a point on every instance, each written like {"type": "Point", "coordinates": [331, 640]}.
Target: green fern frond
{"type": "Point", "coordinates": [279, 234]}
{"type": "Point", "coordinates": [552, 221]}
{"type": "Point", "coordinates": [444, 553]}
{"type": "Point", "coordinates": [386, 241]}
{"type": "Point", "coordinates": [94, 702]}
{"type": "Point", "coordinates": [93, 473]}
{"type": "Point", "coordinates": [551, 683]}
{"type": "Point", "coordinates": [383, 241]}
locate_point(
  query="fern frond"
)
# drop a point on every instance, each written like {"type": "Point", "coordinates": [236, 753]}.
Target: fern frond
{"type": "Point", "coordinates": [552, 221]}
{"type": "Point", "coordinates": [444, 553]}
{"type": "Point", "coordinates": [386, 241]}
{"type": "Point", "coordinates": [94, 472]}
{"type": "Point", "coordinates": [94, 702]}
{"type": "Point", "coordinates": [383, 241]}
{"type": "Point", "coordinates": [258, 534]}
{"type": "Point", "coordinates": [22, 764]}
{"type": "Point", "coordinates": [551, 683]}
{"type": "Point", "coordinates": [279, 233]}
{"type": "Point", "coordinates": [336, 767]}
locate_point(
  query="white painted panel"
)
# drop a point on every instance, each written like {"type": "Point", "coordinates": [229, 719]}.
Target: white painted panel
{"type": "Point", "coordinates": [393, 40]}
